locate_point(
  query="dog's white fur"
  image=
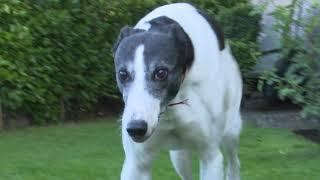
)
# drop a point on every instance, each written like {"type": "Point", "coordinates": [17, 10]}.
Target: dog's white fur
{"type": "Point", "coordinates": [213, 88]}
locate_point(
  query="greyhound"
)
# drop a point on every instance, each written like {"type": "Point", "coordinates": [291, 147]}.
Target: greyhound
{"type": "Point", "coordinates": [182, 90]}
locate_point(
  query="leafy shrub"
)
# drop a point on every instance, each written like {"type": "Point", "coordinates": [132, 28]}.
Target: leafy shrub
{"type": "Point", "coordinates": [301, 81]}
{"type": "Point", "coordinates": [55, 55]}
{"type": "Point", "coordinates": [241, 28]}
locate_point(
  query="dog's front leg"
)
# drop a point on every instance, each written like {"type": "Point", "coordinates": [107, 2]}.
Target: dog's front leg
{"type": "Point", "coordinates": [134, 170]}
{"type": "Point", "coordinates": [138, 162]}
{"type": "Point", "coordinates": [211, 165]}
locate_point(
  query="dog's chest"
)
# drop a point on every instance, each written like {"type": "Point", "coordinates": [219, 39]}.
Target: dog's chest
{"type": "Point", "coordinates": [176, 133]}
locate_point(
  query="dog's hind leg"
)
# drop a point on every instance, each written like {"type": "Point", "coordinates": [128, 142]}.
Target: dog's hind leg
{"type": "Point", "coordinates": [230, 145]}
{"type": "Point", "coordinates": [181, 160]}
{"type": "Point", "coordinates": [233, 163]}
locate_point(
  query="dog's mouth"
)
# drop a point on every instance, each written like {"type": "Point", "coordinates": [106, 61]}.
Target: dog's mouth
{"type": "Point", "coordinates": [140, 139]}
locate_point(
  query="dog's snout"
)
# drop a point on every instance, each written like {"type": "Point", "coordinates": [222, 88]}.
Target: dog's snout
{"type": "Point", "coordinates": [137, 129]}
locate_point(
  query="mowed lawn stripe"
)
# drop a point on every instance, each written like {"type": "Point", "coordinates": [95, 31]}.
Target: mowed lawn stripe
{"type": "Point", "coordinates": [93, 151]}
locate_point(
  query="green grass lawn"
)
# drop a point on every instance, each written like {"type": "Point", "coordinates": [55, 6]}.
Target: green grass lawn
{"type": "Point", "coordinates": [92, 151]}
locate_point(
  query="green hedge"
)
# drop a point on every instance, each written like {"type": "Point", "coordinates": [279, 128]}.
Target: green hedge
{"type": "Point", "coordinates": [301, 81]}
{"type": "Point", "coordinates": [55, 55]}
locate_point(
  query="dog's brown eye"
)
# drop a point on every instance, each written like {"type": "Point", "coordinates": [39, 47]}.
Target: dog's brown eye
{"type": "Point", "coordinates": [124, 75]}
{"type": "Point", "coordinates": [161, 74]}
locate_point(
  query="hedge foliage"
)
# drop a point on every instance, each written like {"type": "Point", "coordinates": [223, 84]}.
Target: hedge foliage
{"type": "Point", "coordinates": [301, 82]}
{"type": "Point", "coordinates": [55, 55]}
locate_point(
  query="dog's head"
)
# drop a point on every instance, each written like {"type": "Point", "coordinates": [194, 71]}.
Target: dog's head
{"type": "Point", "coordinates": [150, 67]}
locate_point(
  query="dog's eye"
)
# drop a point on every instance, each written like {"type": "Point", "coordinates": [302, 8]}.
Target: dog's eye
{"type": "Point", "coordinates": [124, 75]}
{"type": "Point", "coordinates": [161, 74]}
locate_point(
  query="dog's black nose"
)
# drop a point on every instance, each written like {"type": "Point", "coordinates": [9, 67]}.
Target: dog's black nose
{"type": "Point", "coordinates": [137, 129]}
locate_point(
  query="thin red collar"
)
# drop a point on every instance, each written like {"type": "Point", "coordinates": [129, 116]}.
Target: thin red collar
{"type": "Point", "coordinates": [185, 102]}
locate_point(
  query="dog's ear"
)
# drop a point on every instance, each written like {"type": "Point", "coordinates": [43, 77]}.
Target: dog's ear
{"type": "Point", "coordinates": [177, 32]}
{"type": "Point", "coordinates": [184, 44]}
{"type": "Point", "coordinates": [124, 32]}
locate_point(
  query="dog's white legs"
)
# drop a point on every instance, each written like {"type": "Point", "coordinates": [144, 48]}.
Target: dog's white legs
{"type": "Point", "coordinates": [181, 160]}
{"type": "Point", "coordinates": [233, 164]}
{"type": "Point", "coordinates": [133, 170]}
{"type": "Point", "coordinates": [230, 144]}
{"type": "Point", "coordinates": [211, 165]}
{"type": "Point", "coordinates": [138, 162]}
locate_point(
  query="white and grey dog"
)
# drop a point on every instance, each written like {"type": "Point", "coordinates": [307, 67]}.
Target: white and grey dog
{"type": "Point", "coordinates": [182, 90]}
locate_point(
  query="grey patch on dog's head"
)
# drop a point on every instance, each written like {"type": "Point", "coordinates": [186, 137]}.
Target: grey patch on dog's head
{"type": "Point", "coordinates": [166, 46]}
{"type": "Point", "coordinates": [126, 31]}
{"type": "Point", "coordinates": [184, 44]}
